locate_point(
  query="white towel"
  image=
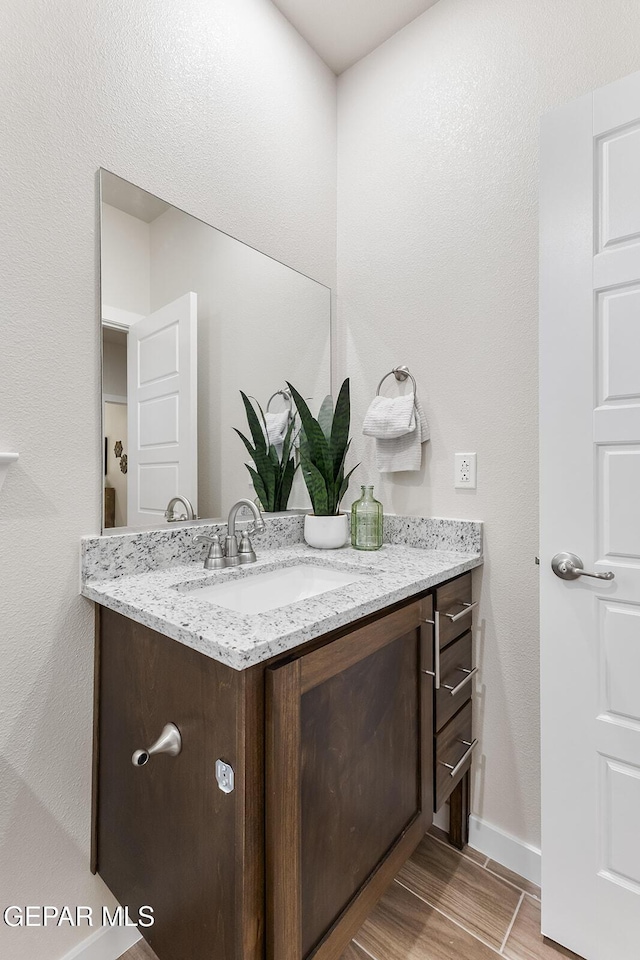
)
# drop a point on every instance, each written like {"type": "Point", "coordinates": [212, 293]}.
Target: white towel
{"type": "Point", "coordinates": [403, 452]}
{"type": "Point", "coordinates": [276, 425]}
{"type": "Point", "coordinates": [390, 417]}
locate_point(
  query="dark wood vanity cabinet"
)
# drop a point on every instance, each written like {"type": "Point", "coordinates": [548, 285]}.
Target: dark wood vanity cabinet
{"type": "Point", "coordinates": [349, 780]}
{"type": "Point", "coordinates": [452, 721]}
{"type": "Point", "coordinates": [332, 748]}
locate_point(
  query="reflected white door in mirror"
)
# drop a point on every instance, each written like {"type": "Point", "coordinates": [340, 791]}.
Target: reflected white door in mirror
{"type": "Point", "coordinates": [162, 411]}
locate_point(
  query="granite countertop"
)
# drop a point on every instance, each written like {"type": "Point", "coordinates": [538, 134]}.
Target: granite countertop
{"type": "Point", "coordinates": [166, 599]}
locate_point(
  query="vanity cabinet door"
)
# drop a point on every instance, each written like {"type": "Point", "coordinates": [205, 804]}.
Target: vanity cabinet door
{"type": "Point", "coordinates": [167, 836]}
{"type": "Point", "coordinates": [349, 779]}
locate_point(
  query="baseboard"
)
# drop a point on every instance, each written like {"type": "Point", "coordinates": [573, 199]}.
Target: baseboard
{"type": "Point", "coordinates": [441, 817]}
{"type": "Point", "coordinates": [516, 855]}
{"type": "Point", "coordinates": [107, 943]}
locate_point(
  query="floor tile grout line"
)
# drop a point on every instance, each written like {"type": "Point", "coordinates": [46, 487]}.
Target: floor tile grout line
{"type": "Point", "coordinates": [456, 923]}
{"type": "Point", "coordinates": [510, 882]}
{"type": "Point", "coordinates": [482, 866]}
{"type": "Point", "coordinates": [511, 925]}
{"type": "Point", "coordinates": [460, 853]}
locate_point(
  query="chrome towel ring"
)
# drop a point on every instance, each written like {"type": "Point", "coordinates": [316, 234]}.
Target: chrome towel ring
{"type": "Point", "coordinates": [401, 374]}
{"type": "Point", "coordinates": [285, 394]}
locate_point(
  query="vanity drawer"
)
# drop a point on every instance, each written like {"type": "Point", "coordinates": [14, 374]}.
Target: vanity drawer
{"type": "Point", "coordinates": [456, 664]}
{"type": "Point", "coordinates": [452, 601]}
{"type": "Point", "coordinates": [453, 743]}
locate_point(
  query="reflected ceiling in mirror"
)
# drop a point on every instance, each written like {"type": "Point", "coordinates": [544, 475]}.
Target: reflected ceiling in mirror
{"type": "Point", "coordinates": [190, 317]}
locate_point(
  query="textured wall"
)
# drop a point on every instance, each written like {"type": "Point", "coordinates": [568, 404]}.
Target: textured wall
{"type": "Point", "coordinates": [437, 253]}
{"type": "Point", "coordinates": [221, 109]}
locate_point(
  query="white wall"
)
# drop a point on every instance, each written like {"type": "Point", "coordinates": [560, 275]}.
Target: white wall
{"type": "Point", "coordinates": [125, 261]}
{"type": "Point", "coordinates": [437, 253]}
{"type": "Point", "coordinates": [259, 324]}
{"type": "Point", "coordinates": [114, 368]}
{"type": "Point", "coordinates": [221, 109]}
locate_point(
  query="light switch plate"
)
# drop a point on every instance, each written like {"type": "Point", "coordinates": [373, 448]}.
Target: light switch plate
{"type": "Point", "coordinates": [465, 476]}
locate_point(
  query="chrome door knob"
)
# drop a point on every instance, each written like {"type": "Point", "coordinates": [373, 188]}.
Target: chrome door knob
{"type": "Point", "coordinates": [568, 566]}
{"type": "Point", "coordinates": [169, 742]}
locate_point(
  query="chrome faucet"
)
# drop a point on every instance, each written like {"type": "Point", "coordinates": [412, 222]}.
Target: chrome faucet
{"type": "Point", "coordinates": [231, 554]}
{"type": "Point", "coordinates": [169, 514]}
{"type": "Point", "coordinates": [244, 553]}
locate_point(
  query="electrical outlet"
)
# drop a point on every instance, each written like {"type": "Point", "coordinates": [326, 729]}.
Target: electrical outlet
{"type": "Point", "coordinates": [465, 471]}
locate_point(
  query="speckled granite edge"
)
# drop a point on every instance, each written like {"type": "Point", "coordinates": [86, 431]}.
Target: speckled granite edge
{"type": "Point", "coordinates": [167, 600]}
{"type": "Point", "coordinates": [434, 533]}
{"type": "Point", "coordinates": [126, 554]}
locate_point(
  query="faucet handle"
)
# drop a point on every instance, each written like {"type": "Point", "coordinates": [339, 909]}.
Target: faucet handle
{"type": "Point", "coordinates": [215, 559]}
{"type": "Point", "coordinates": [246, 553]}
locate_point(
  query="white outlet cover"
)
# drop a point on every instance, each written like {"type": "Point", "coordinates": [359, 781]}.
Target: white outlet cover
{"type": "Point", "coordinates": [466, 471]}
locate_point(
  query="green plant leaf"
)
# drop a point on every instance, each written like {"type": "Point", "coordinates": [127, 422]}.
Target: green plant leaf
{"type": "Point", "coordinates": [259, 488]}
{"type": "Point", "coordinates": [282, 493]}
{"type": "Point", "coordinates": [316, 486]}
{"type": "Point", "coordinates": [287, 482]}
{"type": "Point", "coordinates": [340, 428]}
{"type": "Point", "coordinates": [250, 449]}
{"type": "Point", "coordinates": [319, 452]}
{"type": "Point", "coordinates": [288, 441]}
{"type": "Point", "coordinates": [272, 453]}
{"type": "Point", "coordinates": [344, 486]}
{"type": "Point", "coordinates": [325, 416]}
{"type": "Point", "coordinates": [254, 424]}
{"type": "Point", "coordinates": [272, 476]}
{"type": "Point", "coordinates": [267, 470]}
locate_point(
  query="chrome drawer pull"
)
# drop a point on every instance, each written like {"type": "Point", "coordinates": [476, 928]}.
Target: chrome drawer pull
{"type": "Point", "coordinates": [459, 686]}
{"type": "Point", "coordinates": [468, 607]}
{"type": "Point", "coordinates": [435, 623]}
{"type": "Point", "coordinates": [463, 759]}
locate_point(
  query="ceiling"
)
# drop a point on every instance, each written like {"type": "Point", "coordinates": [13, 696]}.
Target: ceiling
{"type": "Point", "coordinates": [343, 31]}
{"type": "Point", "coordinates": [129, 198]}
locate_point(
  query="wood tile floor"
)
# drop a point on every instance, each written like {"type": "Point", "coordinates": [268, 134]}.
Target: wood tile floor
{"type": "Point", "coordinates": [446, 905]}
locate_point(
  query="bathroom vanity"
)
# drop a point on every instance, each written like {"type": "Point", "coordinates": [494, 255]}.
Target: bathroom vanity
{"type": "Point", "coordinates": [316, 741]}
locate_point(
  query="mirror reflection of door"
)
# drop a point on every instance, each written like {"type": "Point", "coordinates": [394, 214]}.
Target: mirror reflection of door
{"type": "Point", "coordinates": [162, 385]}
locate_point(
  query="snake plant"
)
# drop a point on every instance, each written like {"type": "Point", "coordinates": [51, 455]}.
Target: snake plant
{"type": "Point", "coordinates": [272, 474]}
{"type": "Point", "coordinates": [324, 444]}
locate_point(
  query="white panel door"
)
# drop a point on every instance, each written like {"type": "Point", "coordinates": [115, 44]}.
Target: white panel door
{"type": "Point", "coordinates": [590, 506]}
{"type": "Point", "coordinates": [162, 410]}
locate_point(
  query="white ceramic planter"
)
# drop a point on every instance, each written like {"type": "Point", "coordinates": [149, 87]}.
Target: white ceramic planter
{"type": "Point", "coordinates": [326, 533]}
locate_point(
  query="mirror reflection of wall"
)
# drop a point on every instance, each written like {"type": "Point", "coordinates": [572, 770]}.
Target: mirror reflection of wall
{"type": "Point", "coordinates": [190, 316]}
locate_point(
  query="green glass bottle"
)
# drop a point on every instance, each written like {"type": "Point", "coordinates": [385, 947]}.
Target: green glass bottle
{"type": "Point", "coordinates": [366, 521]}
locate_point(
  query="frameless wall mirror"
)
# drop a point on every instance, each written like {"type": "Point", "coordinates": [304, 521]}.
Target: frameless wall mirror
{"type": "Point", "coordinates": [190, 316]}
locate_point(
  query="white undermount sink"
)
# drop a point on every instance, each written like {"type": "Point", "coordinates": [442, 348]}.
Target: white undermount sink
{"type": "Point", "coordinates": [259, 592]}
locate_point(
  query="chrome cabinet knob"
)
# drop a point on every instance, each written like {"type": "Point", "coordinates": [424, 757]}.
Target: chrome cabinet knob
{"type": "Point", "coordinates": [169, 742]}
{"type": "Point", "coordinates": [568, 566]}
